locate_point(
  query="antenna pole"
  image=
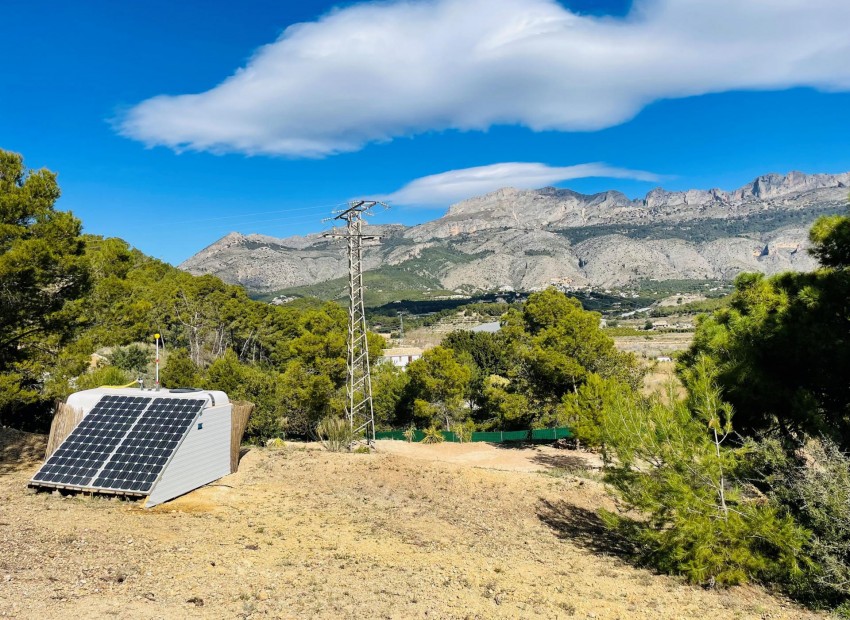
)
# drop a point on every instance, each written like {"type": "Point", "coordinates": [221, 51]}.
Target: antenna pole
{"type": "Point", "coordinates": [359, 407]}
{"type": "Point", "coordinates": [156, 338]}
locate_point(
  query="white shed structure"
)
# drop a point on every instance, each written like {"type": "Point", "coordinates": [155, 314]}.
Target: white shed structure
{"type": "Point", "coordinates": [158, 444]}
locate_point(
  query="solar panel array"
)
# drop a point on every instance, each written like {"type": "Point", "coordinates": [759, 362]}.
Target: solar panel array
{"type": "Point", "coordinates": [137, 463]}
{"type": "Point", "coordinates": [122, 444]}
{"type": "Point", "coordinates": [92, 442]}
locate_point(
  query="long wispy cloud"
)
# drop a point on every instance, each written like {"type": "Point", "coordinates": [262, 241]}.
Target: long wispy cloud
{"type": "Point", "coordinates": [379, 70]}
{"type": "Point", "coordinates": [448, 187]}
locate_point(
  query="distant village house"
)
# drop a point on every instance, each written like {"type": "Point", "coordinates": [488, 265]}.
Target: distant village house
{"type": "Point", "coordinates": [400, 356]}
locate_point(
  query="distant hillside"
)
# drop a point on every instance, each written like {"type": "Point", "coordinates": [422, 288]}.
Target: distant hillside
{"type": "Point", "coordinates": [529, 239]}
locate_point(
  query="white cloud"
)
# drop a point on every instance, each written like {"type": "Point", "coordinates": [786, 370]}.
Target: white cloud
{"type": "Point", "coordinates": [449, 187]}
{"type": "Point", "coordinates": [379, 70]}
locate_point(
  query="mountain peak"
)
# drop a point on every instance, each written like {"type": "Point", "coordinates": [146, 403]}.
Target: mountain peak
{"type": "Point", "coordinates": [528, 239]}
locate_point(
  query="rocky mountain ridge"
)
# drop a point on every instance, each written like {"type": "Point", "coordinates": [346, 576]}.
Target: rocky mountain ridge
{"type": "Point", "coordinates": [527, 239]}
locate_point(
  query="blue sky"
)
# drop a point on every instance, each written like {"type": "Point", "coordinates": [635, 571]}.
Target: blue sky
{"type": "Point", "coordinates": [668, 92]}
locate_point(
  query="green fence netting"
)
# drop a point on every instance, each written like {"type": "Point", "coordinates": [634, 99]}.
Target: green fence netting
{"type": "Point", "coordinates": [538, 434]}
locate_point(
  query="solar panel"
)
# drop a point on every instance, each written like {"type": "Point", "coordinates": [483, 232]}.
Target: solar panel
{"type": "Point", "coordinates": [148, 446]}
{"type": "Point", "coordinates": [92, 442]}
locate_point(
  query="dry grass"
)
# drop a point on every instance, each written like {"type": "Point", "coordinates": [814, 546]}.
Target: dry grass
{"type": "Point", "coordinates": [653, 344]}
{"type": "Point", "coordinates": [241, 414]}
{"type": "Point", "coordinates": [65, 419]}
{"type": "Point", "coordinates": [303, 533]}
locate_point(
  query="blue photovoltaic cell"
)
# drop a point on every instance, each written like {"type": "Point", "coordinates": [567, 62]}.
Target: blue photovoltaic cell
{"type": "Point", "coordinates": [148, 446]}
{"type": "Point", "coordinates": [91, 443]}
{"type": "Point", "coordinates": [122, 445]}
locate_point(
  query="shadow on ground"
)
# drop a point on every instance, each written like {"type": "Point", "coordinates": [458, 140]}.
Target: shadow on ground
{"type": "Point", "coordinates": [19, 450]}
{"type": "Point", "coordinates": [584, 528]}
{"type": "Point", "coordinates": [566, 461]}
{"type": "Point", "coordinates": [517, 445]}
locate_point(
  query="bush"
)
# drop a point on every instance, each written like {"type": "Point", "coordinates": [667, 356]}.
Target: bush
{"type": "Point", "coordinates": [410, 433]}
{"type": "Point", "coordinates": [583, 409]}
{"type": "Point", "coordinates": [305, 397]}
{"type": "Point", "coordinates": [105, 375]}
{"type": "Point", "coordinates": [814, 486]}
{"type": "Point", "coordinates": [335, 434]}
{"type": "Point", "coordinates": [179, 371]}
{"type": "Point", "coordinates": [388, 389]}
{"type": "Point", "coordinates": [433, 435]}
{"type": "Point", "coordinates": [463, 432]}
{"type": "Point", "coordinates": [250, 382]}
{"type": "Point", "coordinates": [668, 460]}
{"type": "Point", "coordinates": [133, 359]}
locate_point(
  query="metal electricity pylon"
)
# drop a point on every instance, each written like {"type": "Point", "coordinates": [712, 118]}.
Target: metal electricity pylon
{"type": "Point", "coordinates": [359, 407]}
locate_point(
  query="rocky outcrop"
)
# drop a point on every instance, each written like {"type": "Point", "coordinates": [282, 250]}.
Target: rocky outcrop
{"type": "Point", "coordinates": [520, 238]}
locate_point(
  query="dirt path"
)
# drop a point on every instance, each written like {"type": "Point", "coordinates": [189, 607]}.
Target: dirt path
{"type": "Point", "coordinates": [307, 534]}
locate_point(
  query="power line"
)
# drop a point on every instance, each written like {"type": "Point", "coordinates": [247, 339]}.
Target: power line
{"type": "Point", "coordinates": [307, 218]}
{"type": "Point", "coordinates": [216, 226]}
{"type": "Point", "coordinates": [227, 217]}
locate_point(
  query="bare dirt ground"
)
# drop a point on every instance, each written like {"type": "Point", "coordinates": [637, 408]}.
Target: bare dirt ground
{"type": "Point", "coordinates": [540, 458]}
{"type": "Point", "coordinates": [410, 532]}
{"type": "Point", "coordinates": [654, 344]}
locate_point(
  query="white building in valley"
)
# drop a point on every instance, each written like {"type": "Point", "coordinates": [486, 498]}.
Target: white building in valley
{"type": "Point", "coordinates": [400, 356]}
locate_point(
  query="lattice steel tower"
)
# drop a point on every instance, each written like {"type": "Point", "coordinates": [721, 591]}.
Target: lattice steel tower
{"type": "Point", "coordinates": [359, 407]}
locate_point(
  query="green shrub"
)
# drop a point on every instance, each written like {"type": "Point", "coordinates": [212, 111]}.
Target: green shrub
{"type": "Point", "coordinates": [668, 460]}
{"type": "Point", "coordinates": [105, 375]}
{"type": "Point", "coordinates": [463, 432]}
{"type": "Point", "coordinates": [410, 434]}
{"type": "Point", "coordinates": [133, 358]}
{"type": "Point", "coordinates": [433, 435]}
{"type": "Point", "coordinates": [335, 434]}
{"type": "Point", "coordinates": [582, 410]}
{"type": "Point", "coordinates": [842, 611]}
{"type": "Point", "coordinates": [180, 371]}
{"type": "Point", "coordinates": [814, 486]}
{"type": "Point", "coordinates": [251, 382]}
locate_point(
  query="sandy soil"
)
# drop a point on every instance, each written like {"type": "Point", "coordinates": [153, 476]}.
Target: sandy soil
{"type": "Point", "coordinates": [538, 458]}
{"type": "Point", "coordinates": [409, 532]}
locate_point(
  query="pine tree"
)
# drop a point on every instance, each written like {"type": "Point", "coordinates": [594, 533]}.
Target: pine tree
{"type": "Point", "coordinates": [667, 459]}
{"type": "Point", "coordinates": [42, 272]}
